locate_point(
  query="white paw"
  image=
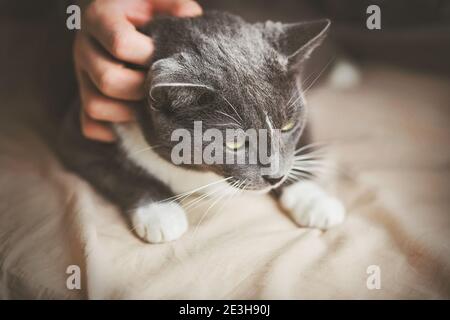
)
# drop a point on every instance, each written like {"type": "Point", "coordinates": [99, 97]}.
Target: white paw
{"type": "Point", "coordinates": [310, 206]}
{"type": "Point", "coordinates": [159, 222]}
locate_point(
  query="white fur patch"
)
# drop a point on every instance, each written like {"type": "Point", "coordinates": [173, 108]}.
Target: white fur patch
{"type": "Point", "coordinates": [159, 222]}
{"type": "Point", "coordinates": [310, 206]}
{"type": "Point", "coordinates": [176, 177]}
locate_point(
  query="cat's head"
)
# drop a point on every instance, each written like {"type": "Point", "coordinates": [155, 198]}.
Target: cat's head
{"type": "Point", "coordinates": [230, 74]}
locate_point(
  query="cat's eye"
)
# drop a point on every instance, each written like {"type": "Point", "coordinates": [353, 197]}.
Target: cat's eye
{"type": "Point", "coordinates": [235, 145]}
{"type": "Point", "coordinates": [288, 126]}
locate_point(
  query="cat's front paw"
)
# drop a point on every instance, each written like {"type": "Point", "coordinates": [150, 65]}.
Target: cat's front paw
{"type": "Point", "coordinates": [159, 222]}
{"type": "Point", "coordinates": [310, 206]}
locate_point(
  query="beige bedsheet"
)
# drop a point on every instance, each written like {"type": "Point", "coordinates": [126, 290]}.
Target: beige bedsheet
{"type": "Point", "coordinates": [391, 141]}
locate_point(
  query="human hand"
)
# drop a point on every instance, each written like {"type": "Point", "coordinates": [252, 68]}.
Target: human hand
{"type": "Point", "coordinates": [108, 40]}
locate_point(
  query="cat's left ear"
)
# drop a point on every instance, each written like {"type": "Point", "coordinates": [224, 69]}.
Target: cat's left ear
{"type": "Point", "coordinates": [297, 41]}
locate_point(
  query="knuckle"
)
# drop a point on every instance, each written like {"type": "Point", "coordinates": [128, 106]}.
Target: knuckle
{"type": "Point", "coordinates": [93, 110]}
{"type": "Point", "coordinates": [92, 12]}
{"type": "Point", "coordinates": [106, 81]}
{"type": "Point", "coordinates": [87, 130]}
{"type": "Point", "coordinates": [118, 43]}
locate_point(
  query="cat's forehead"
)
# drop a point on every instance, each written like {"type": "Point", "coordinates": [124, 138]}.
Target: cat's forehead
{"type": "Point", "coordinates": [238, 50]}
{"type": "Point", "coordinates": [244, 68]}
{"type": "Point", "coordinates": [244, 52]}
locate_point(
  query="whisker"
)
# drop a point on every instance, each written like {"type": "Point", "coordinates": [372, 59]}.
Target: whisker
{"type": "Point", "coordinates": [318, 157]}
{"type": "Point", "coordinates": [230, 197]}
{"type": "Point", "coordinates": [232, 107]}
{"type": "Point", "coordinates": [300, 95]}
{"type": "Point", "coordinates": [191, 204]}
{"type": "Point", "coordinates": [307, 164]}
{"type": "Point", "coordinates": [320, 73]}
{"type": "Point", "coordinates": [292, 96]}
{"type": "Point", "coordinates": [236, 191]}
{"type": "Point", "coordinates": [312, 145]}
{"type": "Point", "coordinates": [231, 117]}
{"type": "Point", "coordinates": [302, 174]}
{"type": "Point", "coordinates": [197, 189]}
{"type": "Point", "coordinates": [312, 73]}
{"type": "Point", "coordinates": [311, 172]}
{"type": "Point", "coordinates": [229, 124]}
{"type": "Point", "coordinates": [209, 208]}
{"type": "Point", "coordinates": [296, 94]}
{"type": "Point", "coordinates": [294, 178]}
{"type": "Point", "coordinates": [317, 154]}
{"type": "Point", "coordinates": [322, 169]}
{"type": "Point", "coordinates": [313, 162]}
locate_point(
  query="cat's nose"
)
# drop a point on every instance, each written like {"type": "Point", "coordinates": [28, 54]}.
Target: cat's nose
{"type": "Point", "coordinates": [272, 180]}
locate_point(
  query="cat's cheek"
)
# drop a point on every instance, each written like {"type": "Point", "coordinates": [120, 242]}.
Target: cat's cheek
{"type": "Point", "coordinates": [159, 222]}
{"type": "Point", "coordinates": [310, 206]}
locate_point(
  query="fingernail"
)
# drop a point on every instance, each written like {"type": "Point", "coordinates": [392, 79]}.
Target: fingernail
{"type": "Point", "coordinates": [190, 9]}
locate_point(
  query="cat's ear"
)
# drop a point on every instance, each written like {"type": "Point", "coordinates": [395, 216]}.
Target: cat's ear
{"type": "Point", "coordinates": [297, 41]}
{"type": "Point", "coordinates": [162, 74]}
{"type": "Point", "coordinates": [169, 87]}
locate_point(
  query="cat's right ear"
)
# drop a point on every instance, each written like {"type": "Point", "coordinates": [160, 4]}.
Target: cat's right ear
{"type": "Point", "coordinates": [296, 41]}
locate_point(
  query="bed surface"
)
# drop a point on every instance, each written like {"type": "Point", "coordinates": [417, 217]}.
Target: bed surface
{"type": "Point", "coordinates": [390, 140]}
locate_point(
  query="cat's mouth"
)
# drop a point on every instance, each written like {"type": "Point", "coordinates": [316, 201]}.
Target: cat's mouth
{"type": "Point", "coordinates": [246, 185]}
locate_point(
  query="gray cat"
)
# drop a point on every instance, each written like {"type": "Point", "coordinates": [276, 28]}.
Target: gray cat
{"type": "Point", "coordinates": [227, 73]}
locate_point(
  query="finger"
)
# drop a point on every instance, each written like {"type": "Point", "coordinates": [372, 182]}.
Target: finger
{"type": "Point", "coordinates": [94, 130]}
{"type": "Point", "coordinates": [118, 35]}
{"type": "Point", "coordinates": [99, 107]}
{"type": "Point", "coordinates": [139, 12]}
{"type": "Point", "coordinates": [90, 128]}
{"type": "Point", "coordinates": [179, 8]}
{"type": "Point", "coordinates": [110, 77]}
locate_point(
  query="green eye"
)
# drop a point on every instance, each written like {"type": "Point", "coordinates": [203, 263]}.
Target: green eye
{"type": "Point", "coordinates": [235, 145]}
{"type": "Point", "coordinates": [288, 126]}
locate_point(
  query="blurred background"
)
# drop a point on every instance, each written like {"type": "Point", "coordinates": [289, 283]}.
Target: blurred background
{"type": "Point", "coordinates": [408, 27]}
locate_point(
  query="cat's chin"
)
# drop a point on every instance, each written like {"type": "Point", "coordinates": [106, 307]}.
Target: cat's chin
{"type": "Point", "coordinates": [258, 191]}
{"type": "Point", "coordinates": [263, 190]}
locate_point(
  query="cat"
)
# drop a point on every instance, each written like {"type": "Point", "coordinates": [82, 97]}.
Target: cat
{"type": "Point", "coordinates": [225, 72]}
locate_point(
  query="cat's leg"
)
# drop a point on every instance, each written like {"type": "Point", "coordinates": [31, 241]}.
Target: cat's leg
{"type": "Point", "coordinates": [308, 203]}
{"type": "Point", "coordinates": [139, 195]}
{"type": "Point", "coordinates": [148, 203]}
